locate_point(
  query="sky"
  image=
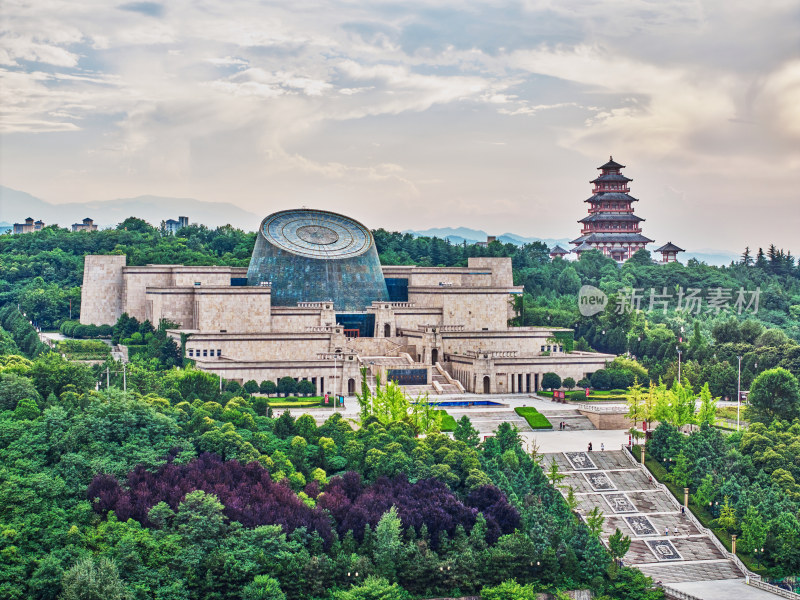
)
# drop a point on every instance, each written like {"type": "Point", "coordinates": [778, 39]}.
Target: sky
{"type": "Point", "coordinates": [410, 115]}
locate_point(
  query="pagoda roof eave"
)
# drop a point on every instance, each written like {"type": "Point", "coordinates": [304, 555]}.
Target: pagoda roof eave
{"type": "Point", "coordinates": [670, 247]}
{"type": "Point", "coordinates": [611, 164]}
{"type": "Point", "coordinates": [601, 196]}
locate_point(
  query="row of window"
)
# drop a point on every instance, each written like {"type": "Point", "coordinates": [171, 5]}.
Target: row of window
{"type": "Point", "coordinates": [196, 353]}
{"type": "Point", "coordinates": [552, 348]}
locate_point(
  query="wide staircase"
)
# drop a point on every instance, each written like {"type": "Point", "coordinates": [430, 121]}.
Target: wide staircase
{"type": "Point", "coordinates": [667, 545]}
{"type": "Point", "coordinates": [441, 381]}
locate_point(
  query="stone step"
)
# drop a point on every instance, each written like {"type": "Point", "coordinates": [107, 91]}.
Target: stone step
{"type": "Point", "coordinates": [695, 571]}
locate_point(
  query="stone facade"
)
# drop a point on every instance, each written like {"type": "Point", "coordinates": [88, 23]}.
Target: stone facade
{"type": "Point", "coordinates": [453, 327]}
{"type": "Point", "coordinates": [102, 291]}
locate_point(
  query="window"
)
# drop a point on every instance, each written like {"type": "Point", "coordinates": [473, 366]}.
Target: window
{"type": "Point", "coordinates": [542, 348]}
{"type": "Point", "coordinates": [191, 352]}
{"type": "Point", "coordinates": [205, 352]}
{"type": "Point", "coordinates": [219, 352]}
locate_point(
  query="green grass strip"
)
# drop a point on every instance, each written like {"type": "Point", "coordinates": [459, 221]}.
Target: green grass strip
{"type": "Point", "coordinates": [534, 418]}
{"type": "Point", "coordinates": [298, 404]}
{"type": "Point", "coordinates": [448, 422]}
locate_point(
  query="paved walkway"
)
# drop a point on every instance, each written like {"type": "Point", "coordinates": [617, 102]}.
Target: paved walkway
{"type": "Point", "coordinates": [726, 589]}
{"type": "Point", "coordinates": [666, 545]}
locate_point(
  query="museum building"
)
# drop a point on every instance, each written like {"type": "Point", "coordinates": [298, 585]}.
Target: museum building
{"type": "Point", "coordinates": [316, 304]}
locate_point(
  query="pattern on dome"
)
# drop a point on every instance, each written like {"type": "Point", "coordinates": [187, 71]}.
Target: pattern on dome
{"type": "Point", "coordinates": [317, 234]}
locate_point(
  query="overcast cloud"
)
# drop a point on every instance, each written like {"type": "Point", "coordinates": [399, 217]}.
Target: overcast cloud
{"type": "Point", "coordinates": [415, 114]}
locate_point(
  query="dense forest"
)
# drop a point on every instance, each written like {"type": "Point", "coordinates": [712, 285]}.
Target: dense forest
{"type": "Point", "coordinates": [183, 488]}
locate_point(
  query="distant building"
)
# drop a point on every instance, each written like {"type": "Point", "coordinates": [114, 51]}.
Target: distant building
{"type": "Point", "coordinates": [173, 226]}
{"type": "Point", "coordinates": [558, 251]}
{"type": "Point", "coordinates": [86, 225]}
{"type": "Point", "coordinates": [489, 240]}
{"type": "Point", "coordinates": [611, 227]}
{"type": "Point", "coordinates": [29, 226]}
{"type": "Point", "coordinates": [669, 252]}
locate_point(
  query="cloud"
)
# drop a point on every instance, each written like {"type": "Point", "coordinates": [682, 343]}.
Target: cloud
{"type": "Point", "coordinates": [151, 9]}
{"type": "Point", "coordinates": [357, 101]}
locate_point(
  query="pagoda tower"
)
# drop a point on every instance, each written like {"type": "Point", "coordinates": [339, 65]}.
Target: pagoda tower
{"type": "Point", "coordinates": [611, 227]}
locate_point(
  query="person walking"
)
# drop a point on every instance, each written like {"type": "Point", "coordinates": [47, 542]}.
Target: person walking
{"type": "Point", "coordinates": [602, 447]}
{"type": "Point", "coordinates": [666, 532]}
{"type": "Point", "coordinates": [590, 446]}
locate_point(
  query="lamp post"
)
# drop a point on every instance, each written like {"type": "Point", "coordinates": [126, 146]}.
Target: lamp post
{"type": "Point", "coordinates": [739, 393]}
{"type": "Point", "coordinates": [335, 357]}
{"type": "Point", "coordinates": [679, 362]}
{"type": "Point", "coordinates": [759, 552]}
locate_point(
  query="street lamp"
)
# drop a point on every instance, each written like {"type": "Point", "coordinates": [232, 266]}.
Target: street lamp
{"type": "Point", "coordinates": [679, 362]}
{"type": "Point", "coordinates": [759, 552]}
{"type": "Point", "coordinates": [739, 393]}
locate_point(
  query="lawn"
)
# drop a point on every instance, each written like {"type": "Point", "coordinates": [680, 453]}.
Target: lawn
{"type": "Point", "coordinates": [448, 422]}
{"type": "Point", "coordinates": [292, 402]}
{"type": "Point", "coordinates": [534, 418]}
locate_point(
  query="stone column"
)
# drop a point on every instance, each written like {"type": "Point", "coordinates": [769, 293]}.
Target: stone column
{"type": "Point", "coordinates": [733, 543]}
{"type": "Point", "coordinates": [686, 498]}
{"type": "Point", "coordinates": [641, 455]}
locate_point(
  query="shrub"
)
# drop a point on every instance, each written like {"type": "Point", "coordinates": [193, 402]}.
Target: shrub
{"type": "Point", "coordinates": [534, 418]}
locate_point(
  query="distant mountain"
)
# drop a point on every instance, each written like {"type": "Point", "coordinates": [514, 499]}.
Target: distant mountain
{"type": "Point", "coordinates": [719, 258]}
{"type": "Point", "coordinates": [458, 235]}
{"type": "Point", "coordinates": [5, 227]}
{"type": "Point", "coordinates": [16, 205]}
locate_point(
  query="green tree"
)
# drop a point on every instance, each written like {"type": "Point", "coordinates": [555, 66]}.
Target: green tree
{"type": "Point", "coordinates": [727, 515]}
{"type": "Point", "coordinates": [594, 521]}
{"type": "Point", "coordinates": [387, 544]}
{"type": "Point", "coordinates": [26, 410]}
{"type": "Point", "coordinates": [618, 545]}
{"type": "Point", "coordinates": [466, 433]}
{"type": "Point", "coordinates": [509, 590]}
{"type": "Point", "coordinates": [93, 580]}
{"type": "Point", "coordinates": [200, 520]}
{"type": "Point", "coordinates": [263, 587]}
{"type": "Point", "coordinates": [251, 387]}
{"type": "Point", "coordinates": [568, 383]}
{"type": "Point", "coordinates": [14, 388]}
{"type": "Point", "coordinates": [568, 282]}
{"type": "Point", "coordinates": [708, 407]}
{"type": "Point", "coordinates": [553, 473]}
{"type": "Point", "coordinates": [774, 394]}
{"type": "Point", "coordinates": [267, 387]}
{"type": "Point", "coordinates": [754, 530]}
{"type": "Point", "coordinates": [680, 473]}
{"type": "Point", "coordinates": [551, 381]}
{"type": "Point", "coordinates": [706, 491]}
{"type": "Point", "coordinates": [306, 388]}
{"type": "Point", "coordinates": [287, 385]}
{"type": "Point", "coordinates": [373, 588]}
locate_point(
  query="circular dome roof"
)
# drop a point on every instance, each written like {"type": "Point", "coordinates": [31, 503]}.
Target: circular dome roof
{"type": "Point", "coordinates": [316, 234]}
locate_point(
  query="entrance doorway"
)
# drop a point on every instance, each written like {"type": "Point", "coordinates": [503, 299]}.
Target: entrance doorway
{"type": "Point", "coordinates": [486, 384]}
{"type": "Point", "coordinates": [536, 382]}
{"type": "Point", "coordinates": [351, 387]}
{"type": "Point", "coordinates": [434, 356]}
{"type": "Point", "coordinates": [387, 330]}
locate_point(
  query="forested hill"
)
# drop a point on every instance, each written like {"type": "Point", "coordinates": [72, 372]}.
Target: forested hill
{"type": "Point", "coordinates": [42, 272]}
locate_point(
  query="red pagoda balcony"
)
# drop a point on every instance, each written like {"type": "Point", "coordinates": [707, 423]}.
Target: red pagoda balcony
{"type": "Point", "coordinates": [604, 190]}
